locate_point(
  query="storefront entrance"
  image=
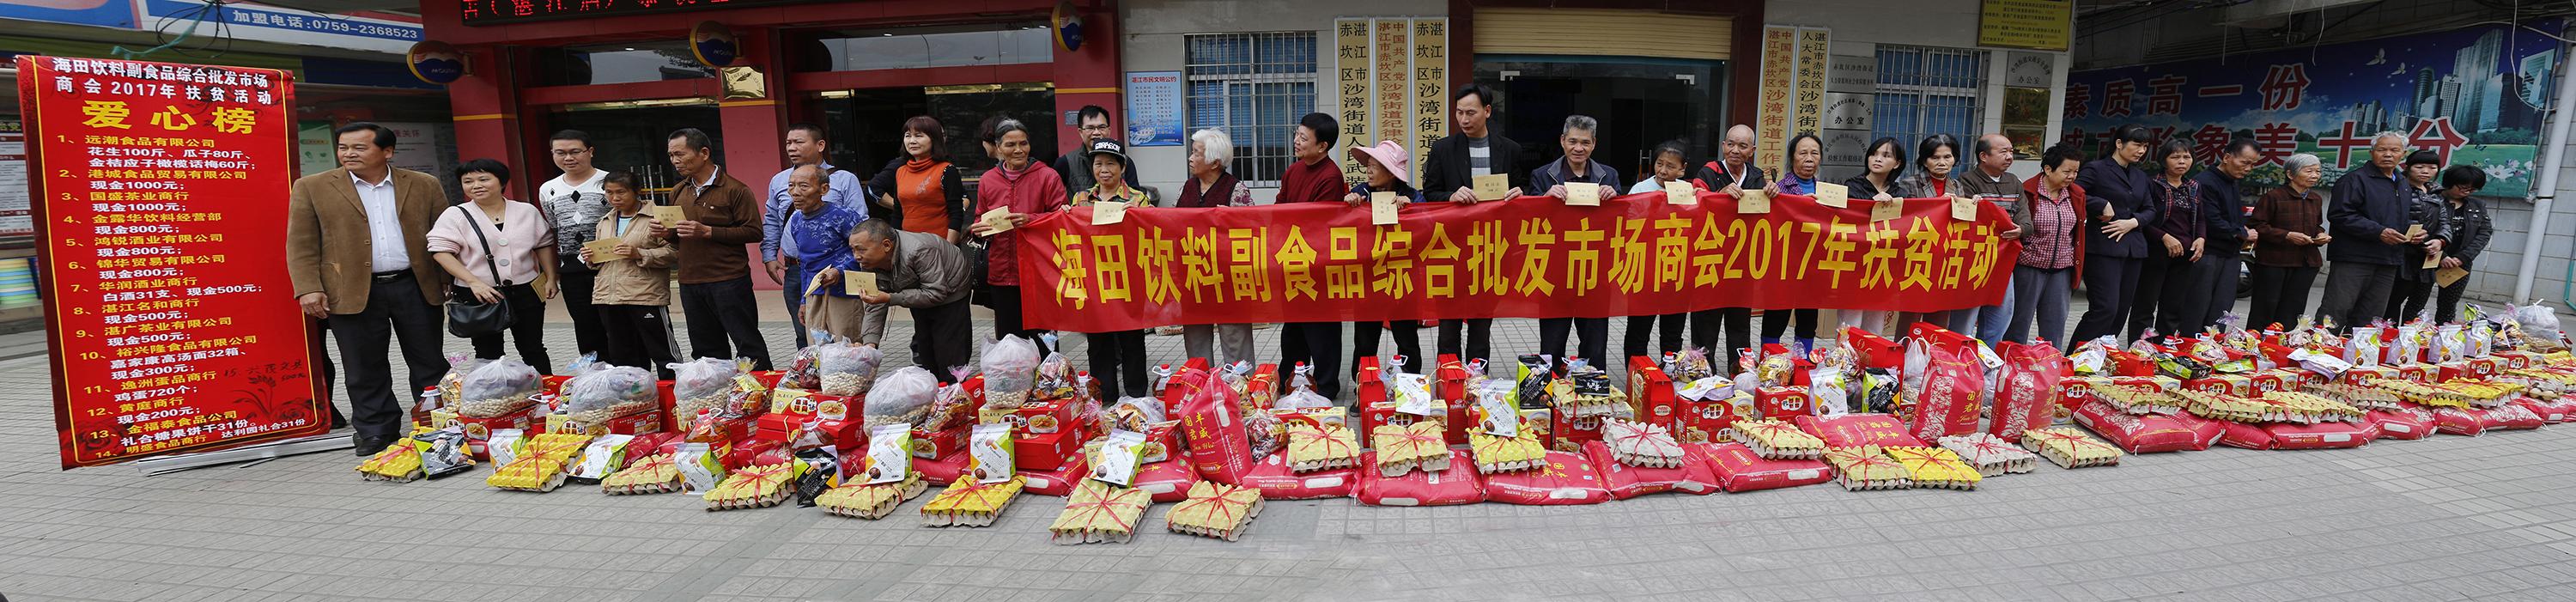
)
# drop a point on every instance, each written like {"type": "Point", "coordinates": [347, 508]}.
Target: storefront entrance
{"type": "Point", "coordinates": [634, 136]}
{"type": "Point", "coordinates": [1640, 103]}
{"type": "Point", "coordinates": [866, 126]}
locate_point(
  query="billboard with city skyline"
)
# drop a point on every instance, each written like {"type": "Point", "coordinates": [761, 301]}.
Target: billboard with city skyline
{"type": "Point", "coordinates": [2473, 95]}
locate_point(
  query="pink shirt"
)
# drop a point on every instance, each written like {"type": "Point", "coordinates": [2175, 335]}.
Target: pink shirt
{"type": "Point", "coordinates": [523, 230]}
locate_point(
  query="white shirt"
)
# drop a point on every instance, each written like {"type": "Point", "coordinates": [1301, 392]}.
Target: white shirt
{"type": "Point", "coordinates": [384, 223]}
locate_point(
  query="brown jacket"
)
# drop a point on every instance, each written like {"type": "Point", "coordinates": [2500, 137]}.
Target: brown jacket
{"type": "Point", "coordinates": [2278, 213]}
{"type": "Point", "coordinates": [733, 212]}
{"type": "Point", "coordinates": [644, 279]}
{"type": "Point", "coordinates": [329, 250]}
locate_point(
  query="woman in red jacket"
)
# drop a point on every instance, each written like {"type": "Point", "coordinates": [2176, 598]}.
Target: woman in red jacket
{"type": "Point", "coordinates": [1025, 188]}
{"type": "Point", "coordinates": [2052, 244]}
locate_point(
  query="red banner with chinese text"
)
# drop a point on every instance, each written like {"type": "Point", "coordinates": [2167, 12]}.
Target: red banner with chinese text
{"type": "Point", "coordinates": [167, 304]}
{"type": "Point", "coordinates": [1532, 257]}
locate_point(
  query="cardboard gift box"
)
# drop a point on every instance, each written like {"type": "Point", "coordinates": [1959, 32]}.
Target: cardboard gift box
{"type": "Point", "coordinates": [630, 424]}
{"type": "Point", "coordinates": [1450, 387]}
{"type": "Point", "coordinates": [1042, 451]}
{"type": "Point", "coordinates": [1383, 414]}
{"type": "Point", "coordinates": [1046, 416]}
{"type": "Point", "coordinates": [1873, 351]}
{"type": "Point", "coordinates": [2415, 373]}
{"type": "Point", "coordinates": [1739, 470]}
{"type": "Point", "coordinates": [1370, 381]}
{"type": "Point", "coordinates": [1706, 421]}
{"type": "Point", "coordinates": [2276, 380]}
{"type": "Point", "coordinates": [748, 454]}
{"type": "Point", "coordinates": [1261, 389]}
{"type": "Point", "coordinates": [478, 431]}
{"type": "Point", "coordinates": [2227, 384]}
{"type": "Point", "coordinates": [1782, 403]}
{"type": "Point", "coordinates": [1561, 479]}
{"type": "Point", "coordinates": [940, 443]}
{"type": "Point", "coordinates": [552, 385]}
{"type": "Point", "coordinates": [1651, 398]}
{"type": "Point", "coordinates": [1567, 433]}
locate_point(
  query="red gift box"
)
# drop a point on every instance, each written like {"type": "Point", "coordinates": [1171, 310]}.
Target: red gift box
{"type": "Point", "coordinates": [1563, 479]}
{"type": "Point", "coordinates": [671, 420]}
{"type": "Point", "coordinates": [1705, 421]}
{"type": "Point", "coordinates": [1739, 470]}
{"type": "Point", "coordinates": [1459, 485]}
{"type": "Point", "coordinates": [778, 427]}
{"type": "Point", "coordinates": [1262, 387]}
{"type": "Point", "coordinates": [2415, 372]}
{"type": "Point", "coordinates": [1057, 481]}
{"type": "Point", "coordinates": [636, 424]}
{"type": "Point", "coordinates": [1371, 380]}
{"type": "Point", "coordinates": [2282, 435]}
{"type": "Point", "coordinates": [1451, 386]}
{"type": "Point", "coordinates": [940, 471]}
{"type": "Point", "coordinates": [1042, 451]}
{"type": "Point", "coordinates": [938, 444]}
{"type": "Point", "coordinates": [2358, 375]}
{"type": "Point", "coordinates": [552, 385]}
{"type": "Point", "coordinates": [479, 430]}
{"type": "Point", "coordinates": [1650, 394]}
{"type": "Point", "coordinates": [747, 454]}
{"type": "Point", "coordinates": [1049, 416]}
{"type": "Point", "coordinates": [1782, 403]}
{"type": "Point", "coordinates": [2275, 380]}
{"type": "Point", "coordinates": [1855, 430]}
{"type": "Point", "coordinates": [1272, 476]}
{"type": "Point", "coordinates": [2516, 359]}
{"type": "Point", "coordinates": [1383, 414]}
{"type": "Point", "coordinates": [1624, 481]}
{"type": "Point", "coordinates": [1873, 351]}
{"type": "Point", "coordinates": [850, 435]}
{"type": "Point", "coordinates": [1567, 433]}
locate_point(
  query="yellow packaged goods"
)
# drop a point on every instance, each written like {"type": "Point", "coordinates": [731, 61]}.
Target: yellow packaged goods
{"type": "Point", "coordinates": [1642, 445]}
{"type": "Point", "coordinates": [1495, 454]}
{"type": "Point", "coordinates": [989, 454]}
{"type": "Point", "coordinates": [1935, 467]}
{"type": "Point", "coordinates": [1991, 455]}
{"type": "Point", "coordinates": [1215, 510]}
{"type": "Point", "coordinates": [2485, 394]}
{"type": "Point", "coordinates": [2069, 447]}
{"type": "Point", "coordinates": [1099, 512]}
{"type": "Point", "coordinates": [2219, 406]}
{"type": "Point", "coordinates": [2430, 396]}
{"type": "Point", "coordinates": [655, 473]}
{"type": "Point", "coordinates": [2137, 400]}
{"type": "Point", "coordinates": [541, 466]}
{"type": "Point", "coordinates": [2366, 397]}
{"type": "Point", "coordinates": [399, 463]}
{"type": "Point", "coordinates": [1402, 449]}
{"type": "Point", "coordinates": [1776, 440]}
{"type": "Point", "coordinates": [758, 486]}
{"type": "Point", "coordinates": [1314, 446]}
{"type": "Point", "coordinates": [2310, 408]}
{"type": "Point", "coordinates": [1867, 468]}
{"type": "Point", "coordinates": [966, 503]}
{"type": "Point", "coordinates": [871, 502]}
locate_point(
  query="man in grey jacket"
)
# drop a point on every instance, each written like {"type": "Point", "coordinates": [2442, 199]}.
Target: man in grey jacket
{"type": "Point", "coordinates": [921, 272]}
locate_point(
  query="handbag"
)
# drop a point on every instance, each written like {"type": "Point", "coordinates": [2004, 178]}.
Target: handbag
{"type": "Point", "coordinates": [469, 317]}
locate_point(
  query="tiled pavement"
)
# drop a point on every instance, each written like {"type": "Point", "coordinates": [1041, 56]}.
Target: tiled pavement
{"type": "Point", "coordinates": [2489, 518]}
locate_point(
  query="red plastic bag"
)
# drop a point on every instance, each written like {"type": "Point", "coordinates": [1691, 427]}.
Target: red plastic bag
{"type": "Point", "coordinates": [1945, 403]}
{"type": "Point", "coordinates": [2149, 433]}
{"type": "Point", "coordinates": [2283, 435]}
{"type": "Point", "coordinates": [1738, 470]}
{"type": "Point", "coordinates": [1624, 481]}
{"type": "Point", "coordinates": [1168, 480]}
{"type": "Point", "coordinates": [1277, 482]}
{"type": "Point", "coordinates": [1565, 479]}
{"type": "Point", "coordinates": [1212, 419]}
{"type": "Point", "coordinates": [2027, 390]}
{"type": "Point", "coordinates": [1456, 486]}
{"type": "Point", "coordinates": [2409, 423]}
{"type": "Point", "coordinates": [1855, 430]}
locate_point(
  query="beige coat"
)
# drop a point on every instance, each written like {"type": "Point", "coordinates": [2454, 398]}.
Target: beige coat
{"type": "Point", "coordinates": [644, 279]}
{"type": "Point", "coordinates": [328, 247]}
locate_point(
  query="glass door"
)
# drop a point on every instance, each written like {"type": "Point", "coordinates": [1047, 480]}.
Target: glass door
{"type": "Point", "coordinates": [866, 126]}
{"type": "Point", "coordinates": [1640, 102]}
{"type": "Point", "coordinates": [634, 136]}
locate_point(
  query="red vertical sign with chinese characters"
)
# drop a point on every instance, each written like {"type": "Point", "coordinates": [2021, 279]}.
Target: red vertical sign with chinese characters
{"type": "Point", "coordinates": [158, 188]}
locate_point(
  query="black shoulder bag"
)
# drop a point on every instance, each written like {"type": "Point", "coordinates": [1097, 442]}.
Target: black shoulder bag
{"type": "Point", "coordinates": [469, 317]}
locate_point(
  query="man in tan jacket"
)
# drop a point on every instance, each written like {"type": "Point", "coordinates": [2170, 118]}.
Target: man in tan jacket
{"type": "Point", "coordinates": [356, 251]}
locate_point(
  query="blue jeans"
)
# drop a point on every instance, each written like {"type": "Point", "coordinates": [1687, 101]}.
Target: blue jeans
{"type": "Point", "coordinates": [793, 290]}
{"type": "Point", "coordinates": [1992, 319]}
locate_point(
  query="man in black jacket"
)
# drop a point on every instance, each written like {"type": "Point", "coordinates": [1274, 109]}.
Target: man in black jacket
{"type": "Point", "coordinates": [1450, 172]}
{"type": "Point", "coordinates": [2366, 211]}
{"type": "Point", "coordinates": [2222, 206]}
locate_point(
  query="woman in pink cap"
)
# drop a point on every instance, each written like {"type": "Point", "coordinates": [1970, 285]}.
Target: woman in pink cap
{"type": "Point", "coordinates": [1386, 164]}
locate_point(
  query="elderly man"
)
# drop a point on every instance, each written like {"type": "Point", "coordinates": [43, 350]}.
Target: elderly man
{"type": "Point", "coordinates": [718, 215]}
{"type": "Point", "coordinates": [917, 271]}
{"type": "Point", "coordinates": [2223, 208]}
{"type": "Point", "coordinates": [819, 231]}
{"type": "Point", "coordinates": [805, 148]}
{"type": "Point", "coordinates": [1557, 178]}
{"type": "Point", "coordinates": [1732, 173]}
{"type": "Point", "coordinates": [2367, 213]}
{"type": "Point", "coordinates": [1990, 180]}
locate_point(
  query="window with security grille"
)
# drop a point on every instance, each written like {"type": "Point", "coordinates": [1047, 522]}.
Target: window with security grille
{"type": "Point", "coordinates": [1254, 86]}
{"type": "Point", "coordinates": [1925, 90]}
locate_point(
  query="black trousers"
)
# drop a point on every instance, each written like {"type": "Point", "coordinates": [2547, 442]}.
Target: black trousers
{"type": "Point", "coordinates": [1005, 302]}
{"type": "Point", "coordinates": [1479, 339]}
{"type": "Point", "coordinates": [2185, 295]}
{"type": "Point", "coordinates": [943, 338]}
{"type": "Point", "coordinates": [2110, 285]}
{"type": "Point", "coordinates": [1642, 327]}
{"type": "Point", "coordinates": [394, 308]}
{"type": "Point", "coordinates": [2220, 270]}
{"type": "Point", "coordinates": [1317, 344]}
{"type": "Point", "coordinates": [721, 311]}
{"type": "Point", "coordinates": [588, 333]}
{"type": "Point", "coordinates": [2280, 296]}
{"type": "Point", "coordinates": [638, 336]}
{"type": "Point", "coordinates": [1738, 323]}
{"type": "Point", "coordinates": [2412, 292]}
{"type": "Point", "coordinates": [527, 328]}
{"type": "Point", "coordinates": [1596, 338]}
{"type": "Point", "coordinates": [2149, 297]}
{"type": "Point", "coordinates": [1776, 322]}
{"type": "Point", "coordinates": [2447, 298]}
{"type": "Point", "coordinates": [1117, 362]}
{"type": "Point", "coordinates": [1408, 343]}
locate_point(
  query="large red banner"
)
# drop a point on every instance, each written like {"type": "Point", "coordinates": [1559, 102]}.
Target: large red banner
{"type": "Point", "coordinates": [158, 188]}
{"type": "Point", "coordinates": [1532, 257]}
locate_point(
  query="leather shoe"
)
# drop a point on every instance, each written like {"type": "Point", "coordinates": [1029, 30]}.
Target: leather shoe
{"type": "Point", "coordinates": [369, 446]}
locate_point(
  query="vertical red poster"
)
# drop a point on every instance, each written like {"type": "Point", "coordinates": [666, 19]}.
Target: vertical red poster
{"type": "Point", "coordinates": [159, 189]}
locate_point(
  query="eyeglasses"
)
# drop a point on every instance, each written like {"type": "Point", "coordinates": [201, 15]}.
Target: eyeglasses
{"type": "Point", "coordinates": [575, 152]}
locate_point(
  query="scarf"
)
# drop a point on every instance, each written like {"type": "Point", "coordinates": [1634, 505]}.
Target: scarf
{"type": "Point", "coordinates": [919, 165]}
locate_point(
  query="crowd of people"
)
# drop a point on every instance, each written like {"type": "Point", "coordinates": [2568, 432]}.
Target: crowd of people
{"type": "Point", "coordinates": [2155, 237]}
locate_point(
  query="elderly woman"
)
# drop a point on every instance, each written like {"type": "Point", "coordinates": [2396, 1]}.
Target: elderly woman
{"type": "Point", "coordinates": [1022, 188]}
{"type": "Point", "coordinates": [2289, 237]}
{"type": "Point", "coordinates": [499, 251]}
{"type": "Point", "coordinates": [1117, 357]}
{"type": "Point", "coordinates": [2051, 243]}
{"type": "Point", "coordinates": [920, 190]}
{"type": "Point", "coordinates": [1210, 186]}
{"type": "Point", "coordinates": [1806, 154]}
